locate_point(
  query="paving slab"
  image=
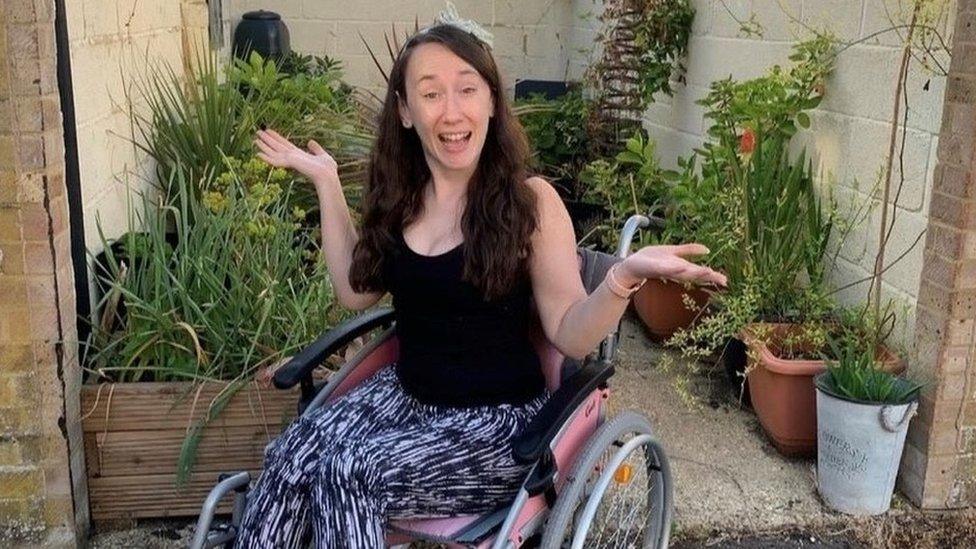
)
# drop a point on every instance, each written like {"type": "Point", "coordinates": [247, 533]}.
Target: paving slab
{"type": "Point", "coordinates": [726, 473]}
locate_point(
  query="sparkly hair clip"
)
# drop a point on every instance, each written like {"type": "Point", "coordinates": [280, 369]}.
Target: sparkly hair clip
{"type": "Point", "coordinates": [450, 16]}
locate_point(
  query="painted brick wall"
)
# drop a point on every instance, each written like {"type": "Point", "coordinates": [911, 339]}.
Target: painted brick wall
{"type": "Point", "coordinates": [41, 460]}
{"type": "Point", "coordinates": [536, 39]}
{"type": "Point", "coordinates": [850, 129]}
{"type": "Point", "coordinates": [43, 494]}
{"type": "Point", "coordinates": [939, 469]}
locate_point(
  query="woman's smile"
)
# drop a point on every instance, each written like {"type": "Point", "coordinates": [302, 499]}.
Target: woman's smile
{"type": "Point", "coordinates": [455, 142]}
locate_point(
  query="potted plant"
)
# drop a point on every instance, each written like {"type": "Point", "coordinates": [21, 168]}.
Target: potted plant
{"type": "Point", "coordinates": [171, 398]}
{"type": "Point", "coordinates": [665, 306]}
{"type": "Point", "coordinates": [634, 183]}
{"type": "Point", "coordinates": [863, 414]}
{"type": "Point", "coordinates": [783, 360]}
{"type": "Point", "coordinates": [755, 204]}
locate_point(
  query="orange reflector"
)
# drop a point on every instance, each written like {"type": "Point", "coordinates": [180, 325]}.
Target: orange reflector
{"type": "Point", "coordinates": [623, 474]}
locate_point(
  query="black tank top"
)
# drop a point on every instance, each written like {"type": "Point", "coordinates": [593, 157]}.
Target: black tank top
{"type": "Point", "coordinates": [456, 348]}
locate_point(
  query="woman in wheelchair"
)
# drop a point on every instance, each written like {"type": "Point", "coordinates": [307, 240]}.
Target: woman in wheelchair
{"type": "Point", "coordinates": [465, 241]}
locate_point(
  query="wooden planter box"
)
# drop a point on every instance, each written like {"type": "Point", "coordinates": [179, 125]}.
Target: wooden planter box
{"type": "Point", "coordinates": [133, 433]}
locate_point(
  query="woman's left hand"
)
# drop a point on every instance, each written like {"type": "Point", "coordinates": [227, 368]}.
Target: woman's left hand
{"type": "Point", "coordinates": [669, 262]}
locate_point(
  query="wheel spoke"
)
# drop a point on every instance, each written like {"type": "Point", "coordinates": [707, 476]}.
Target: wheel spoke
{"type": "Point", "coordinates": [621, 519]}
{"type": "Point", "coordinates": [632, 509]}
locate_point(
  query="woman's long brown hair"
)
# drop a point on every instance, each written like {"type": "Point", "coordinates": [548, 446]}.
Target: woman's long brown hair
{"type": "Point", "coordinates": [500, 214]}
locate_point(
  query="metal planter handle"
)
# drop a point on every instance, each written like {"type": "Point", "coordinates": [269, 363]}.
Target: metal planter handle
{"type": "Point", "coordinates": [886, 419]}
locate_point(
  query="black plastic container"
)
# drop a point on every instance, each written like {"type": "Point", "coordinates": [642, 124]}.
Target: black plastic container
{"type": "Point", "coordinates": [264, 32]}
{"type": "Point", "coordinates": [551, 89]}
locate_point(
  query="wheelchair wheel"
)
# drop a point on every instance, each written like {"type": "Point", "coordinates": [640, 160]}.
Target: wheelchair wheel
{"type": "Point", "coordinates": [618, 493]}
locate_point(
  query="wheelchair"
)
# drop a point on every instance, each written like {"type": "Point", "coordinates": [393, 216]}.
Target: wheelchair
{"type": "Point", "coordinates": [594, 481]}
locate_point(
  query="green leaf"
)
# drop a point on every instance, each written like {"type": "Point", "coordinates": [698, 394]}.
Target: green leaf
{"type": "Point", "coordinates": [811, 103]}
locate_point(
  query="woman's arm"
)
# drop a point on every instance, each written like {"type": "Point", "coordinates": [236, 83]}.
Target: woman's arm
{"type": "Point", "coordinates": [338, 241]}
{"type": "Point", "coordinates": [574, 322]}
{"type": "Point", "coordinates": [338, 232]}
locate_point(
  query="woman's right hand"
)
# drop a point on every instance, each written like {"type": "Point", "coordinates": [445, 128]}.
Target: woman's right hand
{"type": "Point", "coordinates": [316, 164]}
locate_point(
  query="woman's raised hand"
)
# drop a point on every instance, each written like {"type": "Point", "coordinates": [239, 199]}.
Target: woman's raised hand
{"type": "Point", "coordinates": [316, 164]}
{"type": "Point", "coordinates": [672, 263]}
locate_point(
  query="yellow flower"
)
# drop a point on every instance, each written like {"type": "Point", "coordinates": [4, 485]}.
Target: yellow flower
{"type": "Point", "coordinates": [215, 201]}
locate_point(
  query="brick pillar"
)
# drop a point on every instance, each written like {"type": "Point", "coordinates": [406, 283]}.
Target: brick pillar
{"type": "Point", "coordinates": [939, 469]}
{"type": "Point", "coordinates": [43, 498]}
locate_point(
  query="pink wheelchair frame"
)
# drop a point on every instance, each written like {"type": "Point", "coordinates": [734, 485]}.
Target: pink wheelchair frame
{"type": "Point", "coordinates": [551, 443]}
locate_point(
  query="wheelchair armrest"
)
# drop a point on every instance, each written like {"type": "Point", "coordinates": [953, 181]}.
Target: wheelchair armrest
{"type": "Point", "coordinates": [530, 445]}
{"type": "Point", "coordinates": [302, 364]}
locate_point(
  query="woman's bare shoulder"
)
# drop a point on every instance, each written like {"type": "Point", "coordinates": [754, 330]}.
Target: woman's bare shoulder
{"type": "Point", "coordinates": [548, 202]}
{"type": "Point", "coordinates": [540, 186]}
{"type": "Point", "coordinates": [549, 205]}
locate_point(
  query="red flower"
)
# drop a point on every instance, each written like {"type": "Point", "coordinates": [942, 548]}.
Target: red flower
{"type": "Point", "coordinates": [747, 142]}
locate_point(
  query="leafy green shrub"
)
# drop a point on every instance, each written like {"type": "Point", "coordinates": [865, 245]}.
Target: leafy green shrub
{"type": "Point", "coordinates": [557, 132]}
{"type": "Point", "coordinates": [642, 43]}
{"type": "Point", "coordinates": [241, 288]}
{"type": "Point", "coordinates": [193, 126]}
{"type": "Point", "coordinates": [633, 183]}
{"type": "Point", "coordinates": [754, 205]}
{"type": "Point", "coordinates": [290, 102]}
{"type": "Point", "coordinates": [773, 106]}
{"type": "Point", "coordinates": [774, 258]}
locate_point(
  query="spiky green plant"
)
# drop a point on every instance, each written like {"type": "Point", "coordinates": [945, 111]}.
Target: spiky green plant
{"type": "Point", "coordinates": [855, 374]}
{"type": "Point", "coordinates": [192, 122]}
{"type": "Point", "coordinates": [242, 287]}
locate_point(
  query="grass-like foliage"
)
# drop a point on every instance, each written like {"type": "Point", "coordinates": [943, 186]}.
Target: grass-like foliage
{"type": "Point", "coordinates": [241, 288]}
{"type": "Point", "coordinates": [855, 374]}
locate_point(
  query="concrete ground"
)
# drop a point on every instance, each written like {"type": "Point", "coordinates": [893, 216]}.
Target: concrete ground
{"type": "Point", "coordinates": [726, 473]}
{"type": "Point", "coordinates": [731, 487]}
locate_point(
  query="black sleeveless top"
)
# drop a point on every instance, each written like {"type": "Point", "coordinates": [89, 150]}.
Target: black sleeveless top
{"type": "Point", "coordinates": [456, 348]}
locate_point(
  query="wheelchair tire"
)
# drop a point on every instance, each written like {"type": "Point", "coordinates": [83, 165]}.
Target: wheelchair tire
{"type": "Point", "coordinates": [582, 485]}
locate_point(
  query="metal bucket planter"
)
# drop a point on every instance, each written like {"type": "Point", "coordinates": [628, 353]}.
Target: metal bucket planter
{"type": "Point", "coordinates": [859, 449]}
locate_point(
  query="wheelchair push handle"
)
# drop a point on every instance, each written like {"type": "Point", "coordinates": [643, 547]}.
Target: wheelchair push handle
{"type": "Point", "coordinates": [633, 223]}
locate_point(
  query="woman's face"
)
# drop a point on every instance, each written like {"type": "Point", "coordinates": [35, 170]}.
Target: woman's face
{"type": "Point", "coordinates": [449, 104]}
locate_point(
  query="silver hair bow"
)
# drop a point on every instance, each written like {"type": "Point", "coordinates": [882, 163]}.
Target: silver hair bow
{"type": "Point", "coordinates": [450, 16]}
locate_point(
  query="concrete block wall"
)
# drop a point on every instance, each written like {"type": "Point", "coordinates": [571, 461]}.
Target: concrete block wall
{"type": "Point", "coordinates": [43, 501]}
{"type": "Point", "coordinates": [537, 39]}
{"type": "Point", "coordinates": [939, 468]}
{"type": "Point", "coordinates": [113, 44]}
{"type": "Point", "coordinates": [850, 130]}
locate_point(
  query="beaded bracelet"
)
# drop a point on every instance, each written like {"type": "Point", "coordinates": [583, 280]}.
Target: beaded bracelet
{"type": "Point", "coordinates": [619, 289]}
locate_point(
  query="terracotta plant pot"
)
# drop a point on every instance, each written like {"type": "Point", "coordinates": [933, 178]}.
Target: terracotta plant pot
{"type": "Point", "coordinates": [661, 307]}
{"type": "Point", "coordinates": [782, 390]}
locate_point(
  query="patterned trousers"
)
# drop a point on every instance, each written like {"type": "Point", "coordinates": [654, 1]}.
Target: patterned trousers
{"type": "Point", "coordinates": [339, 473]}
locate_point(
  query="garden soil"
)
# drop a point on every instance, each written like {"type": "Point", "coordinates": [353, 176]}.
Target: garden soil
{"type": "Point", "coordinates": [732, 490]}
